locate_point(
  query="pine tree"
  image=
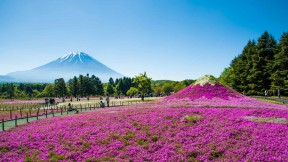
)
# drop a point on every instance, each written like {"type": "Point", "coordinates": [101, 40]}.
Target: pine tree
{"type": "Point", "coordinates": [261, 64]}
{"type": "Point", "coordinates": [279, 75]}
{"type": "Point", "coordinates": [98, 85]}
{"type": "Point", "coordinates": [60, 87]}
{"type": "Point", "coordinates": [74, 86]}
{"type": "Point", "coordinates": [111, 81]}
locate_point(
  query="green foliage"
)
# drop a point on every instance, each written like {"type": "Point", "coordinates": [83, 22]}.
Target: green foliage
{"type": "Point", "coordinates": [48, 91]}
{"type": "Point", "coordinates": [54, 157]}
{"type": "Point", "coordinates": [143, 83]}
{"type": "Point", "coordinates": [123, 85]}
{"type": "Point", "coordinates": [60, 87]}
{"type": "Point", "coordinates": [226, 77]}
{"type": "Point", "coordinates": [141, 142]}
{"type": "Point", "coordinates": [135, 124]}
{"type": "Point", "coordinates": [109, 89]}
{"type": "Point", "coordinates": [192, 119]}
{"type": "Point", "coordinates": [167, 88]}
{"type": "Point", "coordinates": [261, 66]}
{"type": "Point", "coordinates": [181, 85]}
{"type": "Point", "coordinates": [279, 77]}
{"type": "Point", "coordinates": [73, 85]}
{"type": "Point", "coordinates": [132, 91]}
{"type": "Point", "coordinates": [162, 87]}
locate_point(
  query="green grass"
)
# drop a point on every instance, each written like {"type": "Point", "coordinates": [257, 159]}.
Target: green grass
{"type": "Point", "coordinates": [270, 101]}
{"type": "Point", "coordinates": [267, 120]}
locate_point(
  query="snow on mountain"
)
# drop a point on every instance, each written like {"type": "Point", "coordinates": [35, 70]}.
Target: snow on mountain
{"type": "Point", "coordinates": [67, 66]}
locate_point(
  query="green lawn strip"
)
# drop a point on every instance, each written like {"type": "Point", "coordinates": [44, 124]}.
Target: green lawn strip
{"type": "Point", "coordinates": [11, 124]}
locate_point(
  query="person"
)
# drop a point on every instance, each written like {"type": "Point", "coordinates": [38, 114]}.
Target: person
{"type": "Point", "coordinates": [71, 99]}
{"type": "Point", "coordinates": [278, 93]}
{"type": "Point", "coordinates": [107, 100]}
{"type": "Point", "coordinates": [70, 108]}
{"type": "Point", "coordinates": [266, 93]}
{"type": "Point", "coordinates": [46, 101]}
{"type": "Point", "coordinates": [102, 105]}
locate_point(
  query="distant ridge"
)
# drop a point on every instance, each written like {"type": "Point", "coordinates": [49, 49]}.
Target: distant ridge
{"type": "Point", "coordinates": [67, 66]}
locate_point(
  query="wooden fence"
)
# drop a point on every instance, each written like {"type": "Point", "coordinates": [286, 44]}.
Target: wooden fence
{"type": "Point", "coordinates": [51, 111]}
{"type": "Point", "coordinates": [280, 100]}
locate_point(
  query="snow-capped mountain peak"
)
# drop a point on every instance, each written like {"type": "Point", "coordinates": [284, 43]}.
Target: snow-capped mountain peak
{"type": "Point", "coordinates": [75, 57]}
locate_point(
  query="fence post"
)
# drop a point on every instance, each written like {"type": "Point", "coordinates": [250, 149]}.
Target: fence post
{"type": "Point", "coordinates": [46, 113]}
{"type": "Point", "coordinates": [53, 113]}
{"type": "Point", "coordinates": [37, 115]}
{"type": "Point", "coordinates": [61, 110]}
{"type": "Point", "coordinates": [27, 118]}
{"type": "Point", "coordinates": [21, 112]}
{"type": "Point", "coordinates": [3, 128]}
{"type": "Point", "coordinates": [15, 120]}
{"type": "Point", "coordinates": [10, 114]}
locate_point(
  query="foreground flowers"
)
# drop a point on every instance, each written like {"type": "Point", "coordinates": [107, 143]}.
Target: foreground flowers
{"type": "Point", "coordinates": [145, 134]}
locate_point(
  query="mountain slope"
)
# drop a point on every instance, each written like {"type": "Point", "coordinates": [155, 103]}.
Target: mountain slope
{"type": "Point", "coordinates": [66, 67]}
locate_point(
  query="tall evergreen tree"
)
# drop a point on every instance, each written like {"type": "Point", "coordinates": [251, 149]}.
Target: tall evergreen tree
{"type": "Point", "coordinates": [111, 82]}
{"type": "Point", "coordinates": [97, 85]}
{"type": "Point", "coordinates": [81, 85]}
{"type": "Point", "coordinates": [60, 87]}
{"type": "Point", "coordinates": [279, 75]}
{"type": "Point", "coordinates": [74, 86]}
{"type": "Point", "coordinates": [109, 89]}
{"type": "Point", "coordinates": [261, 64]}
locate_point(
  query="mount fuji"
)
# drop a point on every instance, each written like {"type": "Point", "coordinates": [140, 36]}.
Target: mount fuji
{"type": "Point", "coordinates": [67, 66]}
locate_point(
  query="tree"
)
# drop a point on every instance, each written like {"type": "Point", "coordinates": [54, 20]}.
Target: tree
{"type": "Point", "coordinates": [109, 89]}
{"type": "Point", "coordinates": [48, 91]}
{"type": "Point", "coordinates": [132, 91]}
{"type": "Point", "coordinates": [241, 67]}
{"type": "Point", "coordinates": [29, 91]}
{"type": "Point", "coordinates": [74, 86]}
{"type": "Point", "coordinates": [60, 87]}
{"type": "Point", "coordinates": [167, 88]}
{"type": "Point", "coordinates": [111, 81]}
{"type": "Point", "coordinates": [279, 77]}
{"type": "Point", "coordinates": [143, 84]}
{"type": "Point", "coordinates": [251, 70]}
{"type": "Point", "coordinates": [96, 82]}
{"type": "Point", "coordinates": [181, 85]}
{"type": "Point", "coordinates": [261, 63]}
{"type": "Point", "coordinates": [157, 90]}
{"type": "Point", "coordinates": [226, 76]}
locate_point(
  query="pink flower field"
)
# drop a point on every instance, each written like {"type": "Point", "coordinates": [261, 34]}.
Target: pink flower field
{"type": "Point", "coordinates": [200, 123]}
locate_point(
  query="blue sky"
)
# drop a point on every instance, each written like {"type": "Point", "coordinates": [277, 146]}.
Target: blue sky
{"type": "Point", "coordinates": [169, 39]}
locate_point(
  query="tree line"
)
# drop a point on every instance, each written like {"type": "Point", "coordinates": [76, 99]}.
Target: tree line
{"type": "Point", "coordinates": [86, 86]}
{"type": "Point", "coordinates": [262, 65]}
